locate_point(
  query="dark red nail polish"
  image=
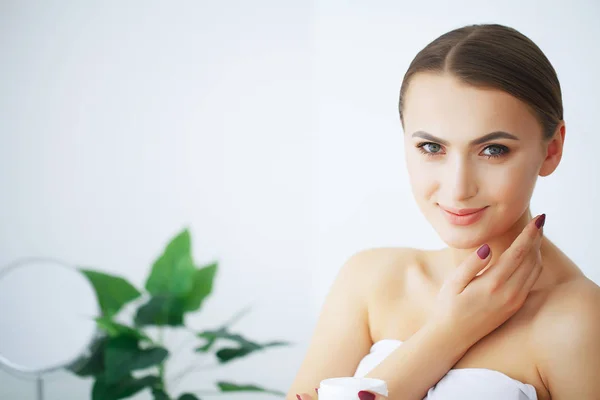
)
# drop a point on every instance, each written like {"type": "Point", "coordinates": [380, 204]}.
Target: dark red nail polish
{"type": "Point", "coordinates": [483, 251]}
{"type": "Point", "coordinates": [298, 397]}
{"type": "Point", "coordinates": [362, 395]}
{"type": "Point", "coordinates": [540, 221]}
{"type": "Point", "coordinates": [317, 390]}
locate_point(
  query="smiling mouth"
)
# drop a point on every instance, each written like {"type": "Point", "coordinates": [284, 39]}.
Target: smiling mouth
{"type": "Point", "coordinates": [462, 211]}
{"type": "Point", "coordinates": [466, 217]}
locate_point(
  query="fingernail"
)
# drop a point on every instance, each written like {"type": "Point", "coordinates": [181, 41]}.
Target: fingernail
{"type": "Point", "coordinates": [540, 221]}
{"type": "Point", "coordinates": [363, 395]}
{"type": "Point", "coordinates": [483, 251]}
{"type": "Point", "coordinates": [298, 397]}
{"type": "Point", "coordinates": [317, 390]}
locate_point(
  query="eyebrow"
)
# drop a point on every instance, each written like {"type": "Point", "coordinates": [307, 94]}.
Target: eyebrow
{"type": "Point", "coordinates": [486, 138]}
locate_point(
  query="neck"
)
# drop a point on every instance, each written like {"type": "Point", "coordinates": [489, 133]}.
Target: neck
{"type": "Point", "coordinates": [497, 244]}
{"type": "Point", "coordinates": [556, 266]}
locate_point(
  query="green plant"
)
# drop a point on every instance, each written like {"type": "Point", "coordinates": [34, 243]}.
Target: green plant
{"type": "Point", "coordinates": [125, 359]}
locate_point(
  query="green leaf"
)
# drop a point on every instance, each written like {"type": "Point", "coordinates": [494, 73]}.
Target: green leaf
{"type": "Point", "coordinates": [188, 396]}
{"type": "Point", "coordinates": [201, 287]}
{"type": "Point", "coordinates": [123, 355]}
{"type": "Point", "coordinates": [160, 394]}
{"type": "Point", "coordinates": [229, 354]}
{"type": "Point", "coordinates": [114, 329]}
{"type": "Point", "coordinates": [160, 311]}
{"type": "Point", "coordinates": [232, 387]}
{"type": "Point", "coordinates": [211, 338]}
{"type": "Point", "coordinates": [244, 347]}
{"type": "Point", "coordinates": [91, 363]}
{"type": "Point", "coordinates": [172, 273]}
{"type": "Point", "coordinates": [113, 292]}
{"type": "Point", "coordinates": [126, 387]}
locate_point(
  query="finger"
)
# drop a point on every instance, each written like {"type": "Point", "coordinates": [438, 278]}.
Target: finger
{"type": "Point", "coordinates": [515, 284]}
{"type": "Point", "coordinates": [532, 278]}
{"type": "Point", "coordinates": [510, 260]}
{"type": "Point", "coordinates": [365, 395]}
{"type": "Point", "coordinates": [469, 268]}
{"type": "Point", "coordinates": [518, 277]}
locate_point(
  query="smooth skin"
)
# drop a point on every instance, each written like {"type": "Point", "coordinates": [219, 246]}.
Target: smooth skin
{"type": "Point", "coordinates": [549, 337]}
{"type": "Point", "coordinates": [497, 293]}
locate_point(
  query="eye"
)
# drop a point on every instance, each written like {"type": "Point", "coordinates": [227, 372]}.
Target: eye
{"type": "Point", "coordinates": [496, 150]}
{"type": "Point", "coordinates": [434, 149]}
{"type": "Point", "coordinates": [429, 148]}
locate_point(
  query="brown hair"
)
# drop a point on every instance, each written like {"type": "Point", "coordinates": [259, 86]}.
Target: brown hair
{"type": "Point", "coordinates": [498, 57]}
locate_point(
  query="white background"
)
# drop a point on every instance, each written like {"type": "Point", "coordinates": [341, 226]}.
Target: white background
{"type": "Point", "coordinates": [268, 128]}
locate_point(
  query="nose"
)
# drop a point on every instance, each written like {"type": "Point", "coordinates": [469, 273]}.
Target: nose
{"type": "Point", "coordinates": [461, 179]}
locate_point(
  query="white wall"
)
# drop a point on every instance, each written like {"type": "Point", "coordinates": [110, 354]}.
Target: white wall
{"type": "Point", "coordinates": [122, 123]}
{"type": "Point", "coordinates": [270, 130]}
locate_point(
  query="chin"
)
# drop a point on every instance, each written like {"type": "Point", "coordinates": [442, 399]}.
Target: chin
{"type": "Point", "coordinates": [462, 237]}
{"type": "Point", "coordinates": [463, 241]}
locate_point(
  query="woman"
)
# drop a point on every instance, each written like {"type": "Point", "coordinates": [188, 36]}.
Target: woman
{"type": "Point", "coordinates": [501, 313]}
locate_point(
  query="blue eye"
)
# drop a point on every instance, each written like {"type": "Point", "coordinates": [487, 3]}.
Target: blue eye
{"type": "Point", "coordinates": [499, 151]}
{"type": "Point", "coordinates": [431, 149]}
{"type": "Point", "coordinates": [436, 148]}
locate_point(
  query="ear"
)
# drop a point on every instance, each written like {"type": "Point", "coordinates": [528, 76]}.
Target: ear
{"type": "Point", "coordinates": [553, 150]}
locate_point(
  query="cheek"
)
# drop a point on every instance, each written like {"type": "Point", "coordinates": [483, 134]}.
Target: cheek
{"type": "Point", "coordinates": [420, 175]}
{"type": "Point", "coordinates": [515, 184]}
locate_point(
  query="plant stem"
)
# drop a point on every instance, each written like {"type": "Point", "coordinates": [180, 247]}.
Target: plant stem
{"type": "Point", "coordinates": [161, 366]}
{"type": "Point", "coordinates": [184, 342]}
{"type": "Point", "coordinates": [193, 367]}
{"type": "Point", "coordinates": [238, 316]}
{"type": "Point", "coordinates": [207, 393]}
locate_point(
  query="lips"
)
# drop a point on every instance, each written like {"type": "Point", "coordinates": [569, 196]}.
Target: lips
{"type": "Point", "coordinates": [463, 216]}
{"type": "Point", "coordinates": [462, 211]}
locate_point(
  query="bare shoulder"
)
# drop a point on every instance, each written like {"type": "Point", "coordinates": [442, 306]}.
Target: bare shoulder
{"type": "Point", "coordinates": [385, 278]}
{"type": "Point", "coordinates": [381, 265]}
{"type": "Point", "coordinates": [567, 307]}
{"type": "Point", "coordinates": [375, 272]}
{"type": "Point", "coordinates": [332, 351]}
{"type": "Point", "coordinates": [567, 338]}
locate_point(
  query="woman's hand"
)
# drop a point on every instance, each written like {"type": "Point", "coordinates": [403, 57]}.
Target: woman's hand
{"type": "Point", "coordinates": [472, 305]}
{"type": "Point", "coordinates": [362, 395]}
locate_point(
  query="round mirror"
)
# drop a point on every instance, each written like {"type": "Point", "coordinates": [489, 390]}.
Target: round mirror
{"type": "Point", "coordinates": [47, 312]}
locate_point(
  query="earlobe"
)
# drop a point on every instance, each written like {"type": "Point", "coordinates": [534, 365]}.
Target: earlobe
{"type": "Point", "coordinates": [554, 151]}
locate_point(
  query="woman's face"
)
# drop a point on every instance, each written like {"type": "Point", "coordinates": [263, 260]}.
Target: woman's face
{"type": "Point", "coordinates": [452, 165]}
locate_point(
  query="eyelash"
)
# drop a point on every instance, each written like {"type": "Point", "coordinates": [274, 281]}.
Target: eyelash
{"type": "Point", "coordinates": [504, 149]}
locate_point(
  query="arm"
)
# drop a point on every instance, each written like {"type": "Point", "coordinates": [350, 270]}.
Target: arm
{"type": "Point", "coordinates": [411, 369]}
{"type": "Point", "coordinates": [341, 336]}
{"type": "Point", "coordinates": [568, 343]}
{"type": "Point", "coordinates": [419, 363]}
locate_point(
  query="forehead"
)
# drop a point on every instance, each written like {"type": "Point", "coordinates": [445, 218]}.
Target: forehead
{"type": "Point", "coordinates": [444, 106]}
